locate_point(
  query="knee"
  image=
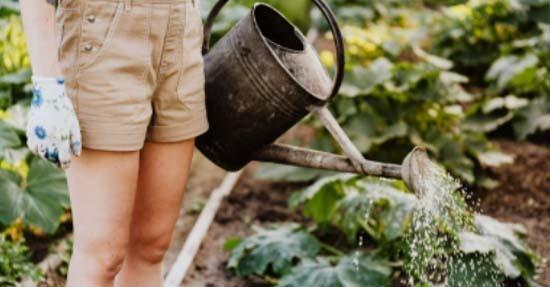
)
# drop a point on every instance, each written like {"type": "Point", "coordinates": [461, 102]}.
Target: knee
{"type": "Point", "coordinates": [150, 247]}
{"type": "Point", "coordinates": [104, 257]}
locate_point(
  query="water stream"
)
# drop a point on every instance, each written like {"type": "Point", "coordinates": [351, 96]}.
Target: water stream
{"type": "Point", "coordinates": [433, 247]}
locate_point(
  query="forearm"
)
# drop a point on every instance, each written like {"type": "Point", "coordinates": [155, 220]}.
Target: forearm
{"type": "Point", "coordinates": [39, 23]}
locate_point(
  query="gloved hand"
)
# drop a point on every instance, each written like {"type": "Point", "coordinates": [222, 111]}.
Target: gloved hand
{"type": "Point", "coordinates": [53, 132]}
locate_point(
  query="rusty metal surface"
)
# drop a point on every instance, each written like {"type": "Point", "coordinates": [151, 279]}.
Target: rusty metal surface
{"type": "Point", "coordinates": [286, 154]}
{"type": "Point", "coordinates": [251, 97]}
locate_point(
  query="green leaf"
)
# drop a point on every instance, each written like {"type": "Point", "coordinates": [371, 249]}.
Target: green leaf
{"type": "Point", "coordinates": [473, 270]}
{"type": "Point", "coordinates": [506, 68]}
{"type": "Point", "coordinates": [40, 201]}
{"type": "Point", "coordinates": [361, 80]}
{"type": "Point", "coordinates": [8, 137]}
{"type": "Point", "coordinates": [18, 117]}
{"type": "Point", "coordinates": [273, 248]}
{"type": "Point", "coordinates": [502, 241]}
{"type": "Point", "coordinates": [533, 118]}
{"type": "Point", "coordinates": [441, 63]}
{"type": "Point", "coordinates": [13, 156]}
{"type": "Point", "coordinates": [17, 78]}
{"type": "Point", "coordinates": [354, 270]}
{"type": "Point", "coordinates": [360, 269]}
{"type": "Point", "coordinates": [353, 213]}
{"type": "Point", "coordinates": [486, 122]}
{"type": "Point", "coordinates": [271, 171]}
{"type": "Point", "coordinates": [306, 194]}
{"type": "Point", "coordinates": [16, 264]}
{"type": "Point", "coordinates": [502, 257]}
{"type": "Point", "coordinates": [390, 218]}
{"type": "Point", "coordinates": [321, 198]}
{"type": "Point", "coordinates": [318, 273]}
{"type": "Point", "coordinates": [232, 242]}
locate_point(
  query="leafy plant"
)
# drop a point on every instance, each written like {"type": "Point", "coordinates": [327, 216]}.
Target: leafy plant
{"type": "Point", "coordinates": [351, 270]}
{"type": "Point", "coordinates": [378, 215]}
{"type": "Point", "coordinates": [39, 198]}
{"type": "Point", "coordinates": [272, 250]}
{"type": "Point", "coordinates": [15, 263]}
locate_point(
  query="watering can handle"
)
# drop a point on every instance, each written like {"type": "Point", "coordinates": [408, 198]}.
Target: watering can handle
{"type": "Point", "coordinates": [329, 16]}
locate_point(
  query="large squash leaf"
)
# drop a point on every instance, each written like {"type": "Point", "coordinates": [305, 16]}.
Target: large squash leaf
{"type": "Point", "coordinates": [354, 270]}
{"type": "Point", "coordinates": [319, 200]}
{"type": "Point", "coordinates": [380, 207]}
{"type": "Point", "coordinates": [275, 248]}
{"type": "Point", "coordinates": [39, 200]}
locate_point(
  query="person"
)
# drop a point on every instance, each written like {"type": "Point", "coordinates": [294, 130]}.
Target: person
{"type": "Point", "coordinates": [118, 98]}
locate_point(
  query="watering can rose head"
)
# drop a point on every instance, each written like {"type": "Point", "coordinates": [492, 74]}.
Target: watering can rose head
{"type": "Point", "coordinates": [415, 169]}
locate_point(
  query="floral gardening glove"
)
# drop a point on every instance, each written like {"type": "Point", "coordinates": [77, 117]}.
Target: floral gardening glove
{"type": "Point", "coordinates": [53, 132]}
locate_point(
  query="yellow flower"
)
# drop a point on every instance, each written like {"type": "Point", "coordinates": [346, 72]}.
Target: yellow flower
{"type": "Point", "coordinates": [66, 217]}
{"type": "Point", "coordinates": [21, 167]}
{"type": "Point", "coordinates": [36, 230]}
{"type": "Point", "coordinates": [459, 11]}
{"type": "Point", "coordinates": [15, 230]}
{"type": "Point", "coordinates": [4, 115]}
{"type": "Point", "coordinates": [327, 58]}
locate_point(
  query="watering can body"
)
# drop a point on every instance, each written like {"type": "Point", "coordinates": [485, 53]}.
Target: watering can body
{"type": "Point", "coordinates": [261, 79]}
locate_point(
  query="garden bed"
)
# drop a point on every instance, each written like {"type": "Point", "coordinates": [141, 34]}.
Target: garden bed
{"type": "Point", "coordinates": [255, 202]}
{"type": "Point", "coordinates": [523, 195]}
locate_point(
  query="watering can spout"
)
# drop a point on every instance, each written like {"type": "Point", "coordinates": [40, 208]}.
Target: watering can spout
{"type": "Point", "coordinates": [413, 169]}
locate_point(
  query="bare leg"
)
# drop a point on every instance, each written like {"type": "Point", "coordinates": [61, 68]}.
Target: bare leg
{"type": "Point", "coordinates": [102, 187]}
{"type": "Point", "coordinates": [162, 178]}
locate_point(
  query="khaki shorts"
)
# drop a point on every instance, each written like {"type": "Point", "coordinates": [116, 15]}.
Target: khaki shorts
{"type": "Point", "coordinates": [133, 70]}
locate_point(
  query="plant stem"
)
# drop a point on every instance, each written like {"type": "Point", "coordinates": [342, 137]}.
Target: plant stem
{"type": "Point", "coordinates": [331, 249]}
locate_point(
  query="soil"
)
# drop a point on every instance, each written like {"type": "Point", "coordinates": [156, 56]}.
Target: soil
{"type": "Point", "coordinates": [522, 197]}
{"type": "Point", "coordinates": [251, 203]}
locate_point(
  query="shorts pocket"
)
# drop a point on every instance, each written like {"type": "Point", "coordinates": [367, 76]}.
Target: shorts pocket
{"type": "Point", "coordinates": [99, 23]}
{"type": "Point", "coordinates": [191, 76]}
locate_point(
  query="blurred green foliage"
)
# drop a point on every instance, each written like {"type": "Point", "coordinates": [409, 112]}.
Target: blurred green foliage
{"type": "Point", "coordinates": [14, 263]}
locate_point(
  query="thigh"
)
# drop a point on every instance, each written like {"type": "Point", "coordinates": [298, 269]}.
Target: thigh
{"type": "Point", "coordinates": [164, 168]}
{"type": "Point", "coordinates": [102, 187]}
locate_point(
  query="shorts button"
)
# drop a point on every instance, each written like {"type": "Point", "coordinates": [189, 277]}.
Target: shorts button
{"type": "Point", "coordinates": [88, 47]}
{"type": "Point", "coordinates": [91, 18]}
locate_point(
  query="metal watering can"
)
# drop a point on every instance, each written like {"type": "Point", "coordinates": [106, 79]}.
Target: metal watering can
{"type": "Point", "coordinates": [262, 78]}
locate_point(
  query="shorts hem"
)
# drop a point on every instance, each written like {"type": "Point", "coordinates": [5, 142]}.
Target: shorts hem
{"type": "Point", "coordinates": [176, 133]}
{"type": "Point", "coordinates": [113, 141]}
